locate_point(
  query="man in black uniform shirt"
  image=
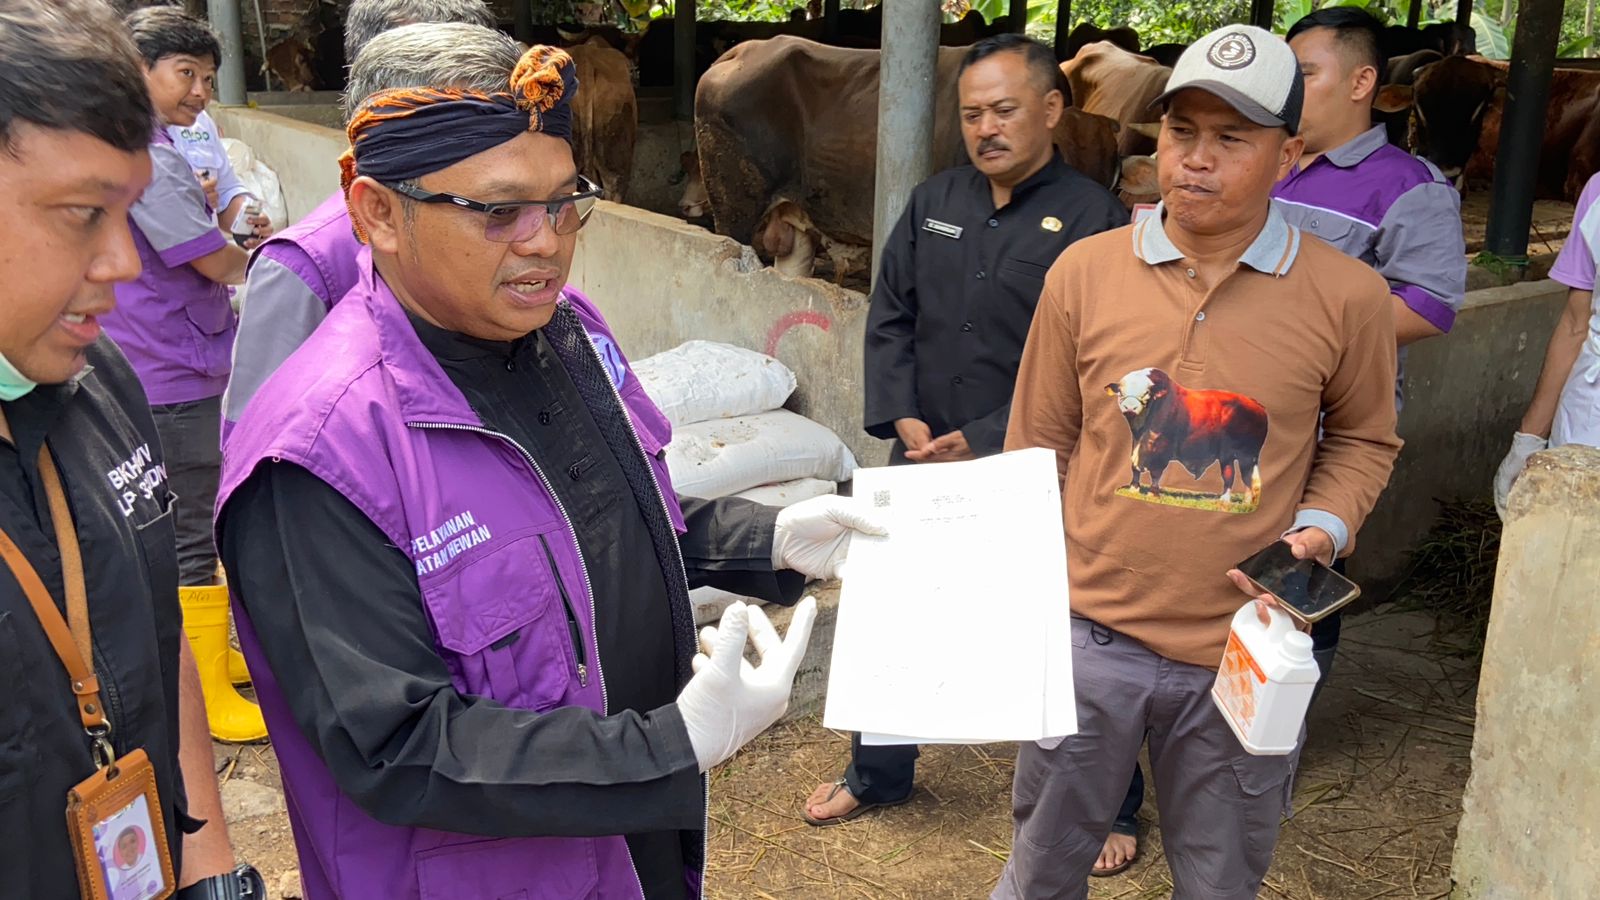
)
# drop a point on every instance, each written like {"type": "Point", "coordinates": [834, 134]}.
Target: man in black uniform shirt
{"type": "Point", "coordinates": [75, 121]}
{"type": "Point", "coordinates": [957, 285]}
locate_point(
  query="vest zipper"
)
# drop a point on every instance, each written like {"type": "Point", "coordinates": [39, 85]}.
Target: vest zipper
{"type": "Point", "coordinates": [588, 588]}
{"type": "Point", "coordinates": [677, 550]}
{"type": "Point", "coordinates": [572, 616]}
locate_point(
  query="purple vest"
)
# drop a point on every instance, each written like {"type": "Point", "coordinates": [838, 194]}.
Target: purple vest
{"type": "Point", "coordinates": [328, 250]}
{"type": "Point", "coordinates": [365, 407]}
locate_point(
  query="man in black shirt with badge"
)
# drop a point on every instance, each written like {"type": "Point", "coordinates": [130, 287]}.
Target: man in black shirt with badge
{"type": "Point", "coordinates": [959, 278]}
{"type": "Point", "coordinates": [102, 702]}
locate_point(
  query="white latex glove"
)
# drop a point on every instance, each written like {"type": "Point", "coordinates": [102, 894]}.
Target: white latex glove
{"type": "Point", "coordinates": [812, 537]}
{"type": "Point", "coordinates": [1522, 447]}
{"type": "Point", "coordinates": [729, 701]}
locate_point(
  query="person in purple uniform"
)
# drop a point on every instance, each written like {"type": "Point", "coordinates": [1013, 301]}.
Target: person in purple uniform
{"type": "Point", "coordinates": [460, 570]}
{"type": "Point", "coordinates": [174, 322]}
{"type": "Point", "coordinates": [299, 274]}
{"type": "Point", "coordinates": [1370, 199]}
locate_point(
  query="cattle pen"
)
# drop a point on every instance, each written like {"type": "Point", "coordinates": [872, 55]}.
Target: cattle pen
{"type": "Point", "coordinates": [1424, 698]}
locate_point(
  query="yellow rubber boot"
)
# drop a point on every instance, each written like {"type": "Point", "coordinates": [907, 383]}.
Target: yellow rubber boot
{"type": "Point", "coordinates": [205, 621]}
{"type": "Point", "coordinates": [238, 672]}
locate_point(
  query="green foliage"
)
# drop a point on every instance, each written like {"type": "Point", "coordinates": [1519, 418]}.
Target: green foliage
{"type": "Point", "coordinates": [1163, 21]}
{"type": "Point", "coordinates": [1493, 41]}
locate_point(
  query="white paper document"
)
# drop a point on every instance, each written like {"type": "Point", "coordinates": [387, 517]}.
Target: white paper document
{"type": "Point", "coordinates": [955, 628]}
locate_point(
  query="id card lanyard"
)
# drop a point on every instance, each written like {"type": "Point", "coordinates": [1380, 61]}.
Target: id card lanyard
{"type": "Point", "coordinates": [121, 795]}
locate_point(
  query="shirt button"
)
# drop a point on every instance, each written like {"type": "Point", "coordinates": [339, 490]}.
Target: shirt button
{"type": "Point", "coordinates": [966, 326]}
{"type": "Point", "coordinates": [1313, 223]}
{"type": "Point", "coordinates": [1189, 272]}
{"type": "Point", "coordinates": [544, 417]}
{"type": "Point", "coordinates": [511, 365]}
{"type": "Point", "coordinates": [981, 275]}
{"type": "Point", "coordinates": [994, 223]}
{"type": "Point", "coordinates": [575, 471]}
{"type": "Point", "coordinates": [956, 380]}
{"type": "Point", "coordinates": [1200, 316]}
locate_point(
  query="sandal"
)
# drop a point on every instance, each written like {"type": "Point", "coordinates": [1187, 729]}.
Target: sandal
{"type": "Point", "coordinates": [860, 810]}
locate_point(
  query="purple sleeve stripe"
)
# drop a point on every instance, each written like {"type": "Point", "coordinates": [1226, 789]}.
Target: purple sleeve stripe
{"type": "Point", "coordinates": [192, 249]}
{"type": "Point", "coordinates": [1435, 311]}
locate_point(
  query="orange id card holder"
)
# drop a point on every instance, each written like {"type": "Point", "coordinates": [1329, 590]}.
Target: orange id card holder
{"type": "Point", "coordinates": [117, 833]}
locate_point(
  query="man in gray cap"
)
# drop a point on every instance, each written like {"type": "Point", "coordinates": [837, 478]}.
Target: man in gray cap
{"type": "Point", "coordinates": [1215, 335]}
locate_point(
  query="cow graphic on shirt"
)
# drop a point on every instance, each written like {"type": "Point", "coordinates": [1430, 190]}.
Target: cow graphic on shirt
{"type": "Point", "coordinates": [1196, 429]}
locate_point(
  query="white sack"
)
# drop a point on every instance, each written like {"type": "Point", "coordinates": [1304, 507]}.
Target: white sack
{"type": "Point", "coordinates": [725, 456]}
{"type": "Point", "coordinates": [702, 380]}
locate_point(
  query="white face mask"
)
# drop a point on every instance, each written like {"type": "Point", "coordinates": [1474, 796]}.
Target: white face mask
{"type": "Point", "coordinates": [13, 384]}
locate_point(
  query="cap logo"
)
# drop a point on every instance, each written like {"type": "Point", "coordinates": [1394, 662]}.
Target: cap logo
{"type": "Point", "coordinates": [1234, 50]}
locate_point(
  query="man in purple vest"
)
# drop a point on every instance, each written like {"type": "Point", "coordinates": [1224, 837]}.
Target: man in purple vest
{"type": "Point", "coordinates": [298, 275]}
{"type": "Point", "coordinates": [461, 574]}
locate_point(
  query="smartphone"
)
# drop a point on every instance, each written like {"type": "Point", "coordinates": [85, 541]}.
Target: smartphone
{"type": "Point", "coordinates": [1309, 590]}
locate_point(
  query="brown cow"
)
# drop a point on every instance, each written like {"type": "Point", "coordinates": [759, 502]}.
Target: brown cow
{"type": "Point", "coordinates": [1109, 81]}
{"type": "Point", "coordinates": [790, 119]}
{"type": "Point", "coordinates": [1087, 33]}
{"type": "Point", "coordinates": [1457, 107]}
{"type": "Point", "coordinates": [605, 117]}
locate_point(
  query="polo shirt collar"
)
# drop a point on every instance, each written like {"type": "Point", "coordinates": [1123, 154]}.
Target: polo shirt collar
{"type": "Point", "coordinates": [1271, 253]}
{"type": "Point", "coordinates": [1356, 150]}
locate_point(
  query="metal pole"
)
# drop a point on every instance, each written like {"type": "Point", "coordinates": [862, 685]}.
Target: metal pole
{"type": "Point", "coordinates": [522, 20]}
{"type": "Point", "coordinates": [224, 16]}
{"type": "Point", "coordinates": [1464, 12]}
{"type": "Point", "coordinates": [1414, 15]}
{"type": "Point", "coordinates": [1063, 27]}
{"type": "Point", "coordinates": [1019, 16]}
{"type": "Point", "coordinates": [1516, 169]}
{"type": "Point", "coordinates": [683, 69]}
{"type": "Point", "coordinates": [905, 111]}
{"type": "Point", "coordinates": [830, 20]}
{"type": "Point", "coordinates": [1261, 13]}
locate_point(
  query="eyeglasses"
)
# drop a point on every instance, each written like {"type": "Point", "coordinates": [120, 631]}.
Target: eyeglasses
{"type": "Point", "coordinates": [516, 221]}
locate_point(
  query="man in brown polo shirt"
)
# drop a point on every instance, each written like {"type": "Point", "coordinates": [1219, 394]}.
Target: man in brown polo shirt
{"type": "Point", "coordinates": [1211, 336]}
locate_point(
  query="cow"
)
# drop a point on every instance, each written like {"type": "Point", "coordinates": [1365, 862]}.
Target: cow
{"type": "Point", "coordinates": [789, 119]}
{"type": "Point", "coordinates": [1172, 423]}
{"type": "Point", "coordinates": [1087, 33]}
{"type": "Point", "coordinates": [1109, 81]}
{"type": "Point", "coordinates": [1457, 105]}
{"type": "Point", "coordinates": [1445, 38]}
{"type": "Point", "coordinates": [1400, 72]}
{"type": "Point", "coordinates": [1165, 54]}
{"type": "Point", "coordinates": [605, 117]}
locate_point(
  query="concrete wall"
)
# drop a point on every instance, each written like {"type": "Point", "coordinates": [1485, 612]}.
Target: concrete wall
{"type": "Point", "coordinates": [305, 156]}
{"type": "Point", "coordinates": [1465, 393]}
{"type": "Point", "coordinates": [1529, 825]}
{"type": "Point", "coordinates": [661, 282]}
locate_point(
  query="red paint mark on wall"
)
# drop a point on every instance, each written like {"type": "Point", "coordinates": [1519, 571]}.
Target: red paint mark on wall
{"type": "Point", "coordinates": [789, 321]}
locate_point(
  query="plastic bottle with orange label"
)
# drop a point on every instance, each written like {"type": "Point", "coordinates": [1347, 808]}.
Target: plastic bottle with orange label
{"type": "Point", "coordinates": [1265, 682]}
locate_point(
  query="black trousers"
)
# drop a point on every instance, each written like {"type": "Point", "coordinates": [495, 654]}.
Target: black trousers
{"type": "Point", "coordinates": [191, 437]}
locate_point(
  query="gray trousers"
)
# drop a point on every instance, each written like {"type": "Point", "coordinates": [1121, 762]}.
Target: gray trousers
{"type": "Point", "coordinates": [191, 436]}
{"type": "Point", "coordinates": [1220, 806]}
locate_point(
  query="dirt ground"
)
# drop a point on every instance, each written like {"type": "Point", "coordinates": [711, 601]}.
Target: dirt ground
{"type": "Point", "coordinates": [1376, 802]}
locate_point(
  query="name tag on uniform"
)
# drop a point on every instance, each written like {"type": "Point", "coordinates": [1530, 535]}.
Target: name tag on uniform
{"type": "Point", "coordinates": [942, 228]}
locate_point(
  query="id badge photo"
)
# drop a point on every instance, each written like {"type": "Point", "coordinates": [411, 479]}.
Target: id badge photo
{"type": "Point", "coordinates": [117, 833]}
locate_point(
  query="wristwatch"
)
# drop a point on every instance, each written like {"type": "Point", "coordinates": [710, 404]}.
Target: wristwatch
{"type": "Point", "coordinates": [243, 883]}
